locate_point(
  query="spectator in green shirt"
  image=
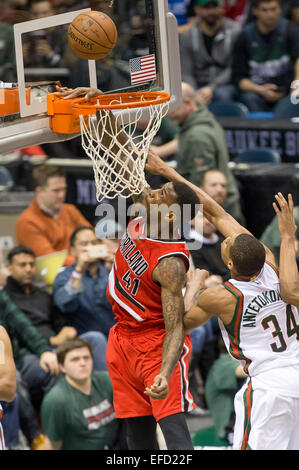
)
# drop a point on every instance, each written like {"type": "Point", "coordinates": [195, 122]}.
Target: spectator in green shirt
{"type": "Point", "coordinates": [77, 413]}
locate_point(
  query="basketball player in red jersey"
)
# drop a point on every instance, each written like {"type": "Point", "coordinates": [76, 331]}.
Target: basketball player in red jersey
{"type": "Point", "coordinates": [148, 353]}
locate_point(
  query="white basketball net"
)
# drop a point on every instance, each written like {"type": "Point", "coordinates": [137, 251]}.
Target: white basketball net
{"type": "Point", "coordinates": [128, 148]}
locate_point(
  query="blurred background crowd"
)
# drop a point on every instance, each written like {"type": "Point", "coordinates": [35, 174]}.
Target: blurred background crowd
{"type": "Point", "coordinates": [239, 60]}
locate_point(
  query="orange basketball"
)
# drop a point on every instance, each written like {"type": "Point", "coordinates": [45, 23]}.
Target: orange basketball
{"type": "Point", "coordinates": [92, 35]}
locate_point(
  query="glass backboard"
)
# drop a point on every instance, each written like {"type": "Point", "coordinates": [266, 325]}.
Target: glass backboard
{"type": "Point", "coordinates": [145, 28]}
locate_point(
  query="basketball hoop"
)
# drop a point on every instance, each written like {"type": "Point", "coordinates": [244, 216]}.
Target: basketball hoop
{"type": "Point", "coordinates": [117, 148]}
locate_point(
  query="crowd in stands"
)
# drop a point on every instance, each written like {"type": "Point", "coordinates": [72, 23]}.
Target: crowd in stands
{"type": "Point", "coordinates": [230, 50]}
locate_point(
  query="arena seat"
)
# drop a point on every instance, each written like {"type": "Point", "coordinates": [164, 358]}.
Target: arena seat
{"type": "Point", "coordinates": [258, 155]}
{"type": "Point", "coordinates": [228, 109]}
{"type": "Point", "coordinates": [286, 109]}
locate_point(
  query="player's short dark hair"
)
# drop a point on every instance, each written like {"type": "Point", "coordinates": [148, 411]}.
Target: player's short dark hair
{"type": "Point", "coordinates": [18, 250]}
{"type": "Point", "coordinates": [42, 173]}
{"type": "Point", "coordinates": [77, 230]}
{"type": "Point", "coordinates": [248, 255]}
{"type": "Point", "coordinates": [186, 196]}
{"type": "Point", "coordinates": [69, 345]}
{"type": "Point", "coordinates": [256, 3]}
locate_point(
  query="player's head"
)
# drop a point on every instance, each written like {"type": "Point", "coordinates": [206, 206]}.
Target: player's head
{"type": "Point", "coordinates": [188, 105]}
{"type": "Point", "coordinates": [214, 183]}
{"type": "Point", "coordinates": [74, 357]}
{"type": "Point", "coordinates": [170, 206]}
{"type": "Point", "coordinates": [21, 265]}
{"type": "Point", "coordinates": [50, 187]}
{"type": "Point", "coordinates": [243, 254]}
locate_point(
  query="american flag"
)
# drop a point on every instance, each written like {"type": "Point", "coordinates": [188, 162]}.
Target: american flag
{"type": "Point", "coordinates": [143, 69]}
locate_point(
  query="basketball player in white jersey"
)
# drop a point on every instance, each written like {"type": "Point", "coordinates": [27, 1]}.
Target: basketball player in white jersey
{"type": "Point", "coordinates": [7, 375]}
{"type": "Point", "coordinates": [258, 327]}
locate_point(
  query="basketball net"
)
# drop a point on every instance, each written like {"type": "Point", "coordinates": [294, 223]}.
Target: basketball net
{"type": "Point", "coordinates": [119, 165]}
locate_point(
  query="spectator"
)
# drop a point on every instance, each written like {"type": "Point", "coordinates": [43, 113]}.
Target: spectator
{"type": "Point", "coordinates": [181, 10]}
{"type": "Point", "coordinates": [209, 255]}
{"type": "Point", "coordinates": [46, 225]}
{"type": "Point", "coordinates": [35, 362]}
{"type": "Point", "coordinates": [214, 183]}
{"type": "Point", "coordinates": [265, 59]}
{"type": "Point", "coordinates": [77, 414]}
{"type": "Point", "coordinates": [7, 53]}
{"type": "Point", "coordinates": [290, 10]}
{"type": "Point", "coordinates": [236, 10]}
{"type": "Point", "coordinates": [80, 290]}
{"type": "Point", "coordinates": [271, 236]}
{"type": "Point", "coordinates": [39, 308]}
{"type": "Point", "coordinates": [202, 146]}
{"type": "Point", "coordinates": [206, 53]}
{"type": "Point", "coordinates": [43, 48]}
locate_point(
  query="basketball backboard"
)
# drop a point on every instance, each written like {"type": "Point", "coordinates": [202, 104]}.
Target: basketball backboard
{"type": "Point", "coordinates": [145, 28]}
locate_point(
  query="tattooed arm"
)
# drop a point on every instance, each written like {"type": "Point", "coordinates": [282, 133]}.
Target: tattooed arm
{"type": "Point", "coordinates": [170, 274]}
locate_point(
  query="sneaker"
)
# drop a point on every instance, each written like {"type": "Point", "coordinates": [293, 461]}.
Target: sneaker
{"type": "Point", "coordinates": [199, 412]}
{"type": "Point", "coordinates": [38, 442]}
{"type": "Point", "coordinates": [19, 446]}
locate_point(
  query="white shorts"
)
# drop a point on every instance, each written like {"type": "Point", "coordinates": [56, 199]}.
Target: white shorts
{"type": "Point", "coordinates": [265, 420]}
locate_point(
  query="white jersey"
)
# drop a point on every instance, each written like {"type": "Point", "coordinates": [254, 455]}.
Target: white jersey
{"type": "Point", "coordinates": [264, 331]}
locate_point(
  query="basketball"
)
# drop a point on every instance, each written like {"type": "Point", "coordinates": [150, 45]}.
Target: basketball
{"type": "Point", "coordinates": [92, 35]}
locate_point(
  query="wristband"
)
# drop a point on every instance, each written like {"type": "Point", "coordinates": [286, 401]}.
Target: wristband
{"type": "Point", "coordinates": [76, 275]}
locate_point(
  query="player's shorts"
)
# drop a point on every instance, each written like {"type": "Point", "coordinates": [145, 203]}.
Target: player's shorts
{"type": "Point", "coordinates": [134, 360]}
{"type": "Point", "coordinates": [265, 420]}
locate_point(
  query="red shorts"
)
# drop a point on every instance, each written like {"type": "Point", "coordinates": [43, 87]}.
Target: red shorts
{"type": "Point", "coordinates": [133, 360]}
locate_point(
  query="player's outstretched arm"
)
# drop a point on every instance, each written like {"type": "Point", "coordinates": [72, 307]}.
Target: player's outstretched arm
{"type": "Point", "coordinates": [170, 274]}
{"type": "Point", "coordinates": [7, 368]}
{"type": "Point", "coordinates": [213, 301]}
{"type": "Point", "coordinates": [288, 270]}
{"type": "Point", "coordinates": [223, 221]}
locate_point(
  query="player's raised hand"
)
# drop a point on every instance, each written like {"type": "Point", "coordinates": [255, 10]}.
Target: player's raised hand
{"type": "Point", "coordinates": [159, 389]}
{"type": "Point", "coordinates": [284, 211]}
{"type": "Point", "coordinates": [69, 93]}
{"type": "Point", "coordinates": [154, 164]}
{"type": "Point", "coordinates": [196, 279]}
{"type": "Point", "coordinates": [195, 282]}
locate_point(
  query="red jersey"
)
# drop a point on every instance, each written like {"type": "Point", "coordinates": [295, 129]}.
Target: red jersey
{"type": "Point", "coordinates": [134, 296]}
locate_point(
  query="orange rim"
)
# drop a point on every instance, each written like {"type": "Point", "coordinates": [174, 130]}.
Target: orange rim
{"type": "Point", "coordinates": [120, 101]}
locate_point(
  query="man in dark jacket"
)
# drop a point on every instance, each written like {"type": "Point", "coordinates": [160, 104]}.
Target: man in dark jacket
{"type": "Point", "coordinates": [266, 57]}
{"type": "Point", "coordinates": [39, 309]}
{"type": "Point", "coordinates": [206, 53]}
